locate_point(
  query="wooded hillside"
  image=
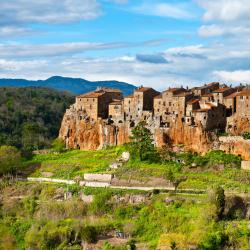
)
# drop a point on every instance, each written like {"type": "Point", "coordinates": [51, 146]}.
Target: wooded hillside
{"type": "Point", "coordinates": [30, 117]}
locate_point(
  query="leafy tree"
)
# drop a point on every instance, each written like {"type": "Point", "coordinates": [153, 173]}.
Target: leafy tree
{"type": "Point", "coordinates": [142, 143]}
{"type": "Point", "coordinates": [58, 145]}
{"type": "Point", "coordinates": [10, 160]}
{"type": "Point", "coordinates": [31, 136]}
{"type": "Point", "coordinates": [217, 198]}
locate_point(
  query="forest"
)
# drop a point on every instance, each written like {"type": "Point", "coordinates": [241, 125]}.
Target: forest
{"type": "Point", "coordinates": [30, 117]}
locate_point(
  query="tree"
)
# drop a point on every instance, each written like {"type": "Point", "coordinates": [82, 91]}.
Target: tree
{"type": "Point", "coordinates": [58, 145]}
{"type": "Point", "coordinates": [142, 143]}
{"type": "Point", "coordinates": [10, 160]}
{"type": "Point", "coordinates": [217, 198]}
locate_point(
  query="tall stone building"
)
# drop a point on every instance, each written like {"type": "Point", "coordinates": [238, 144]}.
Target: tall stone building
{"type": "Point", "coordinates": [96, 104]}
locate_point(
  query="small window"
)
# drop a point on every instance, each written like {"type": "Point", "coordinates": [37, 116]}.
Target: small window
{"type": "Point", "coordinates": [93, 99]}
{"type": "Point", "coordinates": [241, 97]}
{"type": "Point", "coordinates": [170, 104]}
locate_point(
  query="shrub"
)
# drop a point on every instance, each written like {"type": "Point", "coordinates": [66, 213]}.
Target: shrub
{"type": "Point", "coordinates": [246, 135]}
{"type": "Point", "coordinates": [10, 160]}
{"type": "Point", "coordinates": [89, 234]}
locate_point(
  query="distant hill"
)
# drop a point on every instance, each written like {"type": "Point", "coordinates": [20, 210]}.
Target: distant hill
{"type": "Point", "coordinates": [74, 85]}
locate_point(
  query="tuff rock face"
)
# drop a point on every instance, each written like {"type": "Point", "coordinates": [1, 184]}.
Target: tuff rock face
{"type": "Point", "coordinates": [87, 135]}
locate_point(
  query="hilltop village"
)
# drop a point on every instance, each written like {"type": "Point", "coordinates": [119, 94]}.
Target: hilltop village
{"type": "Point", "coordinates": [192, 117]}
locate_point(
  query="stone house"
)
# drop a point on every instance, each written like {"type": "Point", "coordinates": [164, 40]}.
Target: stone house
{"type": "Point", "coordinates": [243, 103]}
{"type": "Point", "coordinates": [139, 102]}
{"type": "Point", "coordinates": [221, 93]}
{"type": "Point", "coordinates": [206, 89]}
{"type": "Point", "coordinates": [210, 116]}
{"type": "Point", "coordinates": [96, 104]}
{"type": "Point", "coordinates": [116, 112]}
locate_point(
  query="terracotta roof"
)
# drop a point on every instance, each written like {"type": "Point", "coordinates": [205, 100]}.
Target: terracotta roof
{"type": "Point", "coordinates": [207, 95]}
{"type": "Point", "coordinates": [175, 89]}
{"type": "Point", "coordinates": [116, 102]}
{"type": "Point", "coordinates": [193, 101]}
{"type": "Point", "coordinates": [211, 104]}
{"type": "Point", "coordinates": [200, 110]}
{"type": "Point", "coordinates": [142, 89]}
{"type": "Point", "coordinates": [244, 93]}
{"type": "Point", "coordinates": [231, 95]}
{"type": "Point", "coordinates": [94, 94]}
{"type": "Point", "coordinates": [158, 96]}
{"type": "Point", "coordinates": [221, 90]}
{"type": "Point", "coordinates": [208, 85]}
{"type": "Point", "coordinates": [99, 92]}
{"type": "Point", "coordinates": [183, 94]}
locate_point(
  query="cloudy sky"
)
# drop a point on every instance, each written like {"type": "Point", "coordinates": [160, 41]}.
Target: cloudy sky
{"type": "Point", "coordinates": [156, 43]}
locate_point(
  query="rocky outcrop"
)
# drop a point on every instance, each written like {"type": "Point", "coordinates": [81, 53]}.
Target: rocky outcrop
{"type": "Point", "coordinates": [86, 135]}
{"type": "Point", "coordinates": [235, 145]}
{"type": "Point", "coordinates": [238, 125]}
{"type": "Point", "coordinates": [81, 133]}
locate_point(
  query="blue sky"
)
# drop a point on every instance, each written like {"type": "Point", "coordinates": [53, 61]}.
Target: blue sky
{"type": "Point", "coordinates": [156, 43]}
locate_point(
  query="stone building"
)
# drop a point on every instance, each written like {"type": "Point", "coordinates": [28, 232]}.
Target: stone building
{"type": "Point", "coordinates": [96, 104]}
{"type": "Point", "coordinates": [220, 94]}
{"type": "Point", "coordinates": [116, 111]}
{"type": "Point", "coordinates": [243, 103]}
{"type": "Point", "coordinates": [137, 105]}
{"type": "Point", "coordinates": [206, 89]}
{"type": "Point", "coordinates": [210, 116]}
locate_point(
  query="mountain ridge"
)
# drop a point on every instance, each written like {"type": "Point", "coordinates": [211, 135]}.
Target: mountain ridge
{"type": "Point", "coordinates": [74, 85]}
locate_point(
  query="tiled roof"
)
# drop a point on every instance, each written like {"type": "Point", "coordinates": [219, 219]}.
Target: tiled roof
{"type": "Point", "coordinates": [116, 102]}
{"type": "Point", "coordinates": [231, 95]}
{"type": "Point", "coordinates": [208, 85]}
{"type": "Point", "coordinates": [244, 93]}
{"type": "Point", "coordinates": [142, 89]}
{"type": "Point", "coordinates": [183, 94]}
{"type": "Point", "coordinates": [193, 101]}
{"type": "Point", "coordinates": [207, 95]}
{"type": "Point", "coordinates": [158, 96]}
{"type": "Point", "coordinates": [211, 104]}
{"type": "Point", "coordinates": [221, 90]}
{"type": "Point", "coordinates": [92, 94]}
{"type": "Point", "coordinates": [200, 110]}
{"type": "Point", "coordinates": [99, 92]}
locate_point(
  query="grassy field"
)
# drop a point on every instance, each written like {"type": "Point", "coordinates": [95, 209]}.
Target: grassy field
{"type": "Point", "coordinates": [205, 174]}
{"type": "Point", "coordinates": [73, 163]}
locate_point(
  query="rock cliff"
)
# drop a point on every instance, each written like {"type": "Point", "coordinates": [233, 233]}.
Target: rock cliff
{"type": "Point", "coordinates": [87, 135]}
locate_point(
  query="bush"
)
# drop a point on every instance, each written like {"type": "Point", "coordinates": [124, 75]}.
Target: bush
{"type": "Point", "coordinates": [89, 234]}
{"type": "Point", "coordinates": [246, 135]}
{"type": "Point", "coordinates": [58, 145]}
{"type": "Point", "coordinates": [10, 160]}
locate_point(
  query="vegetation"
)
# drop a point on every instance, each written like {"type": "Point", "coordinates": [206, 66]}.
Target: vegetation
{"type": "Point", "coordinates": [30, 117]}
{"type": "Point", "coordinates": [246, 135]}
{"type": "Point", "coordinates": [39, 221]}
{"type": "Point", "coordinates": [141, 141]}
{"type": "Point", "coordinates": [10, 160]}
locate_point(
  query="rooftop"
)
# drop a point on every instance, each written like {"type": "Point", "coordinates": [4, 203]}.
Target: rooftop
{"type": "Point", "coordinates": [209, 85]}
{"type": "Point", "coordinates": [99, 92]}
{"type": "Point", "coordinates": [221, 90]}
{"type": "Point", "coordinates": [116, 102]}
{"type": "Point", "coordinates": [142, 89]}
{"type": "Point", "coordinates": [193, 101]}
{"type": "Point", "coordinates": [244, 93]}
{"type": "Point", "coordinates": [158, 96]}
{"type": "Point", "coordinates": [200, 110]}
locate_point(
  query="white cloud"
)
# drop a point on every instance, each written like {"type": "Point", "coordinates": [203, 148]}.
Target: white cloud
{"type": "Point", "coordinates": [225, 10]}
{"type": "Point", "coordinates": [176, 11]}
{"type": "Point", "coordinates": [238, 76]}
{"type": "Point", "coordinates": [14, 12]}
